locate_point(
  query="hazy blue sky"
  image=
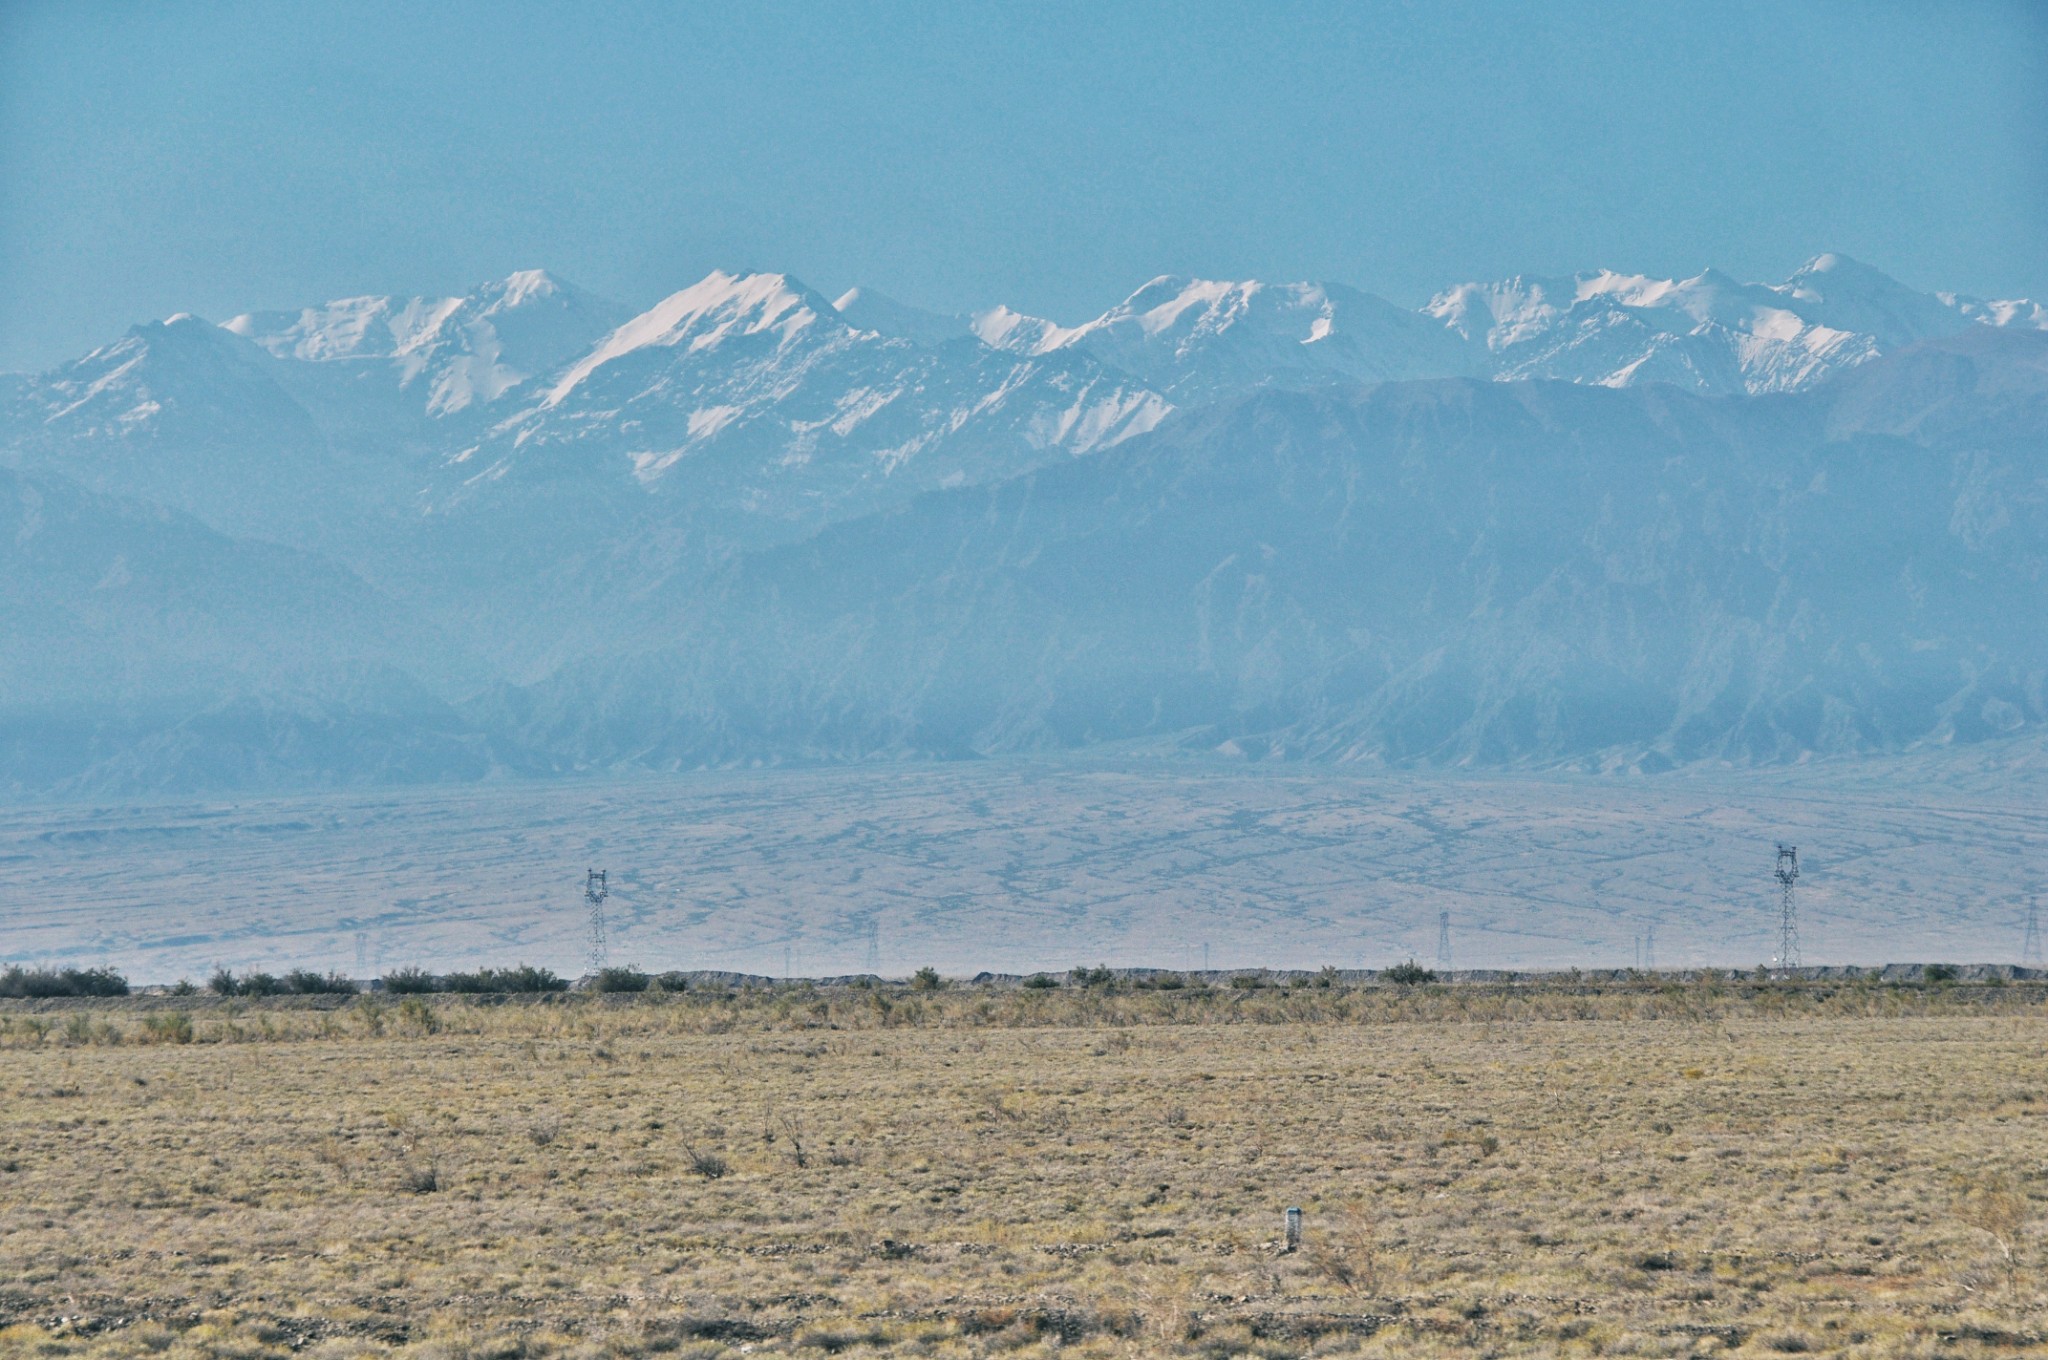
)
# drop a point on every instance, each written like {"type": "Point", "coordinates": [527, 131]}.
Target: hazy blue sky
{"type": "Point", "coordinates": [217, 157]}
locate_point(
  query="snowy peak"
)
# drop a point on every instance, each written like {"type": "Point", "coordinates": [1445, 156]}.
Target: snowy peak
{"type": "Point", "coordinates": [1846, 295]}
{"type": "Point", "coordinates": [460, 351]}
{"type": "Point", "coordinates": [159, 370]}
{"type": "Point", "coordinates": [718, 308]}
{"type": "Point", "coordinates": [999, 327]}
{"type": "Point", "coordinates": [867, 310]}
{"type": "Point", "coordinates": [1710, 332]}
{"type": "Point", "coordinates": [1204, 339]}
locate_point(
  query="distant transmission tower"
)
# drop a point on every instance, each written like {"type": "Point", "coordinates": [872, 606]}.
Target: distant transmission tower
{"type": "Point", "coordinates": [2030, 943]}
{"type": "Point", "coordinates": [1650, 946]}
{"type": "Point", "coordinates": [875, 945]}
{"type": "Point", "coordinates": [362, 953]}
{"type": "Point", "coordinates": [1788, 917]}
{"type": "Point", "coordinates": [1443, 943]}
{"type": "Point", "coordinates": [594, 893]}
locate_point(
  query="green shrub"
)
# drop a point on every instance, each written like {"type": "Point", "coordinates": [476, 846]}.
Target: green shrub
{"type": "Point", "coordinates": [1098, 976]}
{"type": "Point", "coordinates": [223, 983]}
{"type": "Point", "coordinates": [1409, 973]}
{"type": "Point", "coordinates": [1941, 972]}
{"type": "Point", "coordinates": [524, 978]}
{"type": "Point", "coordinates": [410, 982]}
{"type": "Point", "coordinates": [1170, 982]}
{"type": "Point", "coordinates": [308, 983]}
{"type": "Point", "coordinates": [259, 984]}
{"type": "Point", "coordinates": [621, 980]}
{"type": "Point", "coordinates": [927, 979]}
{"type": "Point", "coordinates": [44, 982]}
{"type": "Point", "coordinates": [1039, 982]}
{"type": "Point", "coordinates": [1247, 982]}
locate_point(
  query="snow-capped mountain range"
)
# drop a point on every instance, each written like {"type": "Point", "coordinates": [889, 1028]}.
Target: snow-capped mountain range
{"type": "Point", "coordinates": [494, 502]}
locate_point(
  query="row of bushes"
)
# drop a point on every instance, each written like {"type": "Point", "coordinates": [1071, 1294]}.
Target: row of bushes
{"type": "Point", "coordinates": [1101, 976]}
{"type": "Point", "coordinates": [524, 978]}
{"type": "Point", "coordinates": [40, 982]}
{"type": "Point", "coordinates": [298, 982]}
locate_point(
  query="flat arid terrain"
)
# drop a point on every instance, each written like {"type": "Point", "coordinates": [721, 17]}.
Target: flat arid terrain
{"type": "Point", "coordinates": [1651, 1168]}
{"type": "Point", "coordinates": [1019, 864]}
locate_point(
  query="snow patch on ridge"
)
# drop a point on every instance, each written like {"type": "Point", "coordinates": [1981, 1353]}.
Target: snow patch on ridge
{"type": "Point", "coordinates": [700, 317]}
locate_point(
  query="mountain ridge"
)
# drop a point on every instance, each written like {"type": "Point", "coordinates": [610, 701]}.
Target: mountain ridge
{"type": "Point", "coordinates": [750, 523]}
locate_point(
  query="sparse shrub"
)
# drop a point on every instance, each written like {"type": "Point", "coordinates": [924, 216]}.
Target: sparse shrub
{"type": "Point", "coordinates": [167, 1027]}
{"type": "Point", "coordinates": [1325, 977]}
{"type": "Point", "coordinates": [544, 1130]}
{"type": "Point", "coordinates": [184, 987]}
{"type": "Point", "coordinates": [927, 979]}
{"type": "Point", "coordinates": [1039, 982]}
{"type": "Point", "coordinates": [1247, 982]}
{"type": "Point", "coordinates": [258, 984]}
{"type": "Point", "coordinates": [1346, 1248]}
{"type": "Point", "coordinates": [47, 982]}
{"type": "Point", "coordinates": [1170, 982]}
{"type": "Point", "coordinates": [1941, 972]}
{"type": "Point", "coordinates": [1996, 1207]}
{"type": "Point", "coordinates": [410, 982]}
{"type": "Point", "coordinates": [680, 982]}
{"type": "Point", "coordinates": [1098, 976]}
{"type": "Point", "coordinates": [417, 1016]}
{"type": "Point", "coordinates": [1409, 973]}
{"type": "Point", "coordinates": [621, 980]}
{"type": "Point", "coordinates": [709, 1165]}
{"type": "Point", "coordinates": [793, 1127]}
{"type": "Point", "coordinates": [420, 1180]}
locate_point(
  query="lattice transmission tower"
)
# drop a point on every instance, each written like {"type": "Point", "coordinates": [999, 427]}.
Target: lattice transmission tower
{"type": "Point", "coordinates": [2030, 943]}
{"type": "Point", "coordinates": [1788, 913]}
{"type": "Point", "coordinates": [595, 891]}
{"type": "Point", "coordinates": [1443, 944]}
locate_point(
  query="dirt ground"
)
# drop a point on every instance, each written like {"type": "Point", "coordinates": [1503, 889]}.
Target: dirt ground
{"type": "Point", "coordinates": [1649, 1170]}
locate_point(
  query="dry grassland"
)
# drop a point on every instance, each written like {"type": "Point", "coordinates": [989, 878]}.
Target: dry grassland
{"type": "Point", "coordinates": [1631, 1171]}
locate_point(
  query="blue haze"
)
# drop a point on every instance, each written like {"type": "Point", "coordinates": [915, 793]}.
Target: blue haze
{"type": "Point", "coordinates": [230, 157]}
